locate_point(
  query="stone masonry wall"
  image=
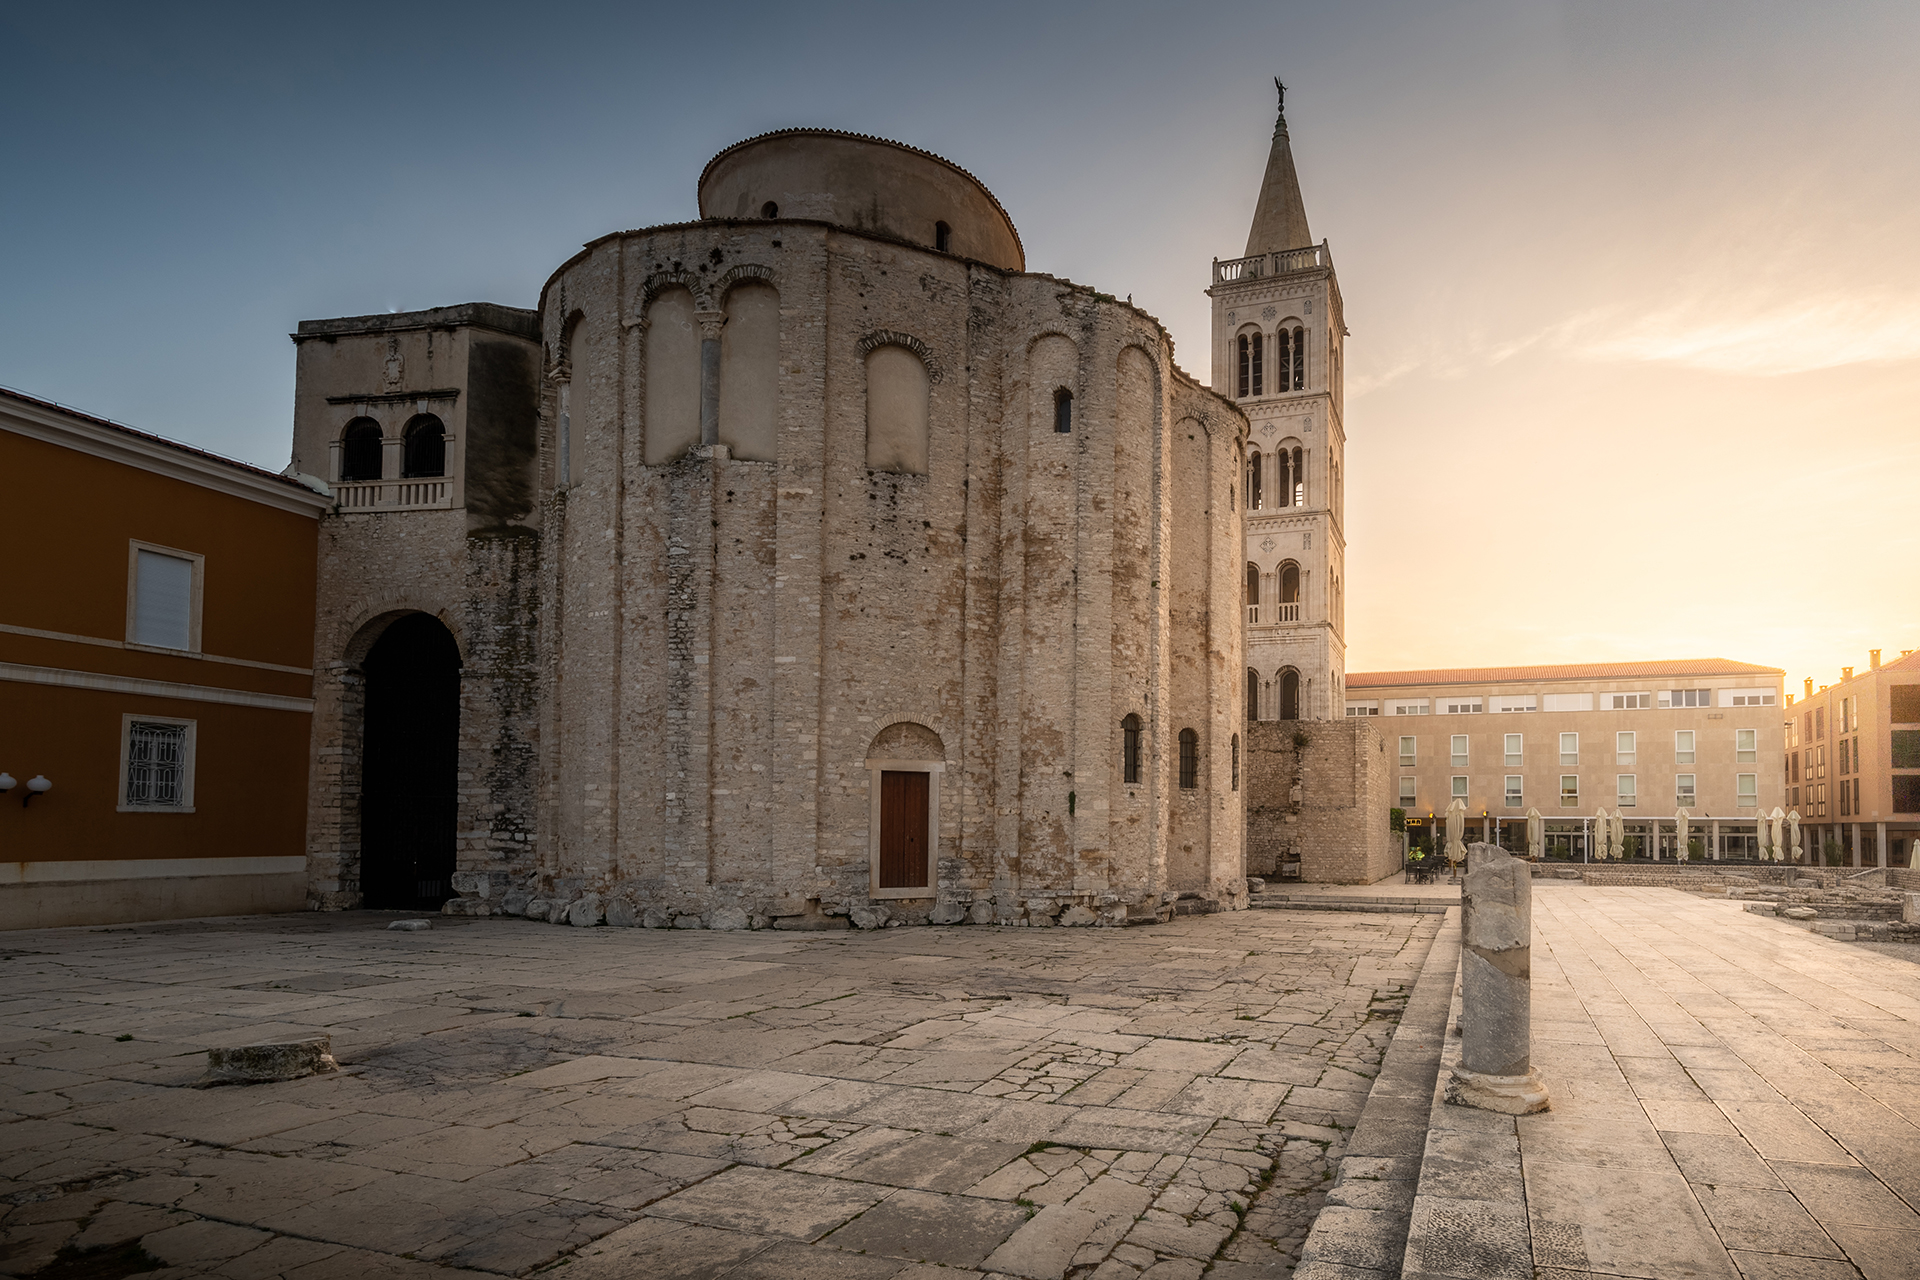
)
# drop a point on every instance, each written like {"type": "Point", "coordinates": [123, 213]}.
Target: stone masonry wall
{"type": "Point", "coordinates": [1317, 790]}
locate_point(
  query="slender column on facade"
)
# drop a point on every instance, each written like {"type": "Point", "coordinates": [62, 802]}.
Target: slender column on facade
{"type": "Point", "coordinates": [710, 323]}
{"type": "Point", "coordinates": [1856, 844]}
{"type": "Point", "coordinates": [1495, 1072]}
{"type": "Point", "coordinates": [1880, 844]}
{"type": "Point", "coordinates": [1713, 838]}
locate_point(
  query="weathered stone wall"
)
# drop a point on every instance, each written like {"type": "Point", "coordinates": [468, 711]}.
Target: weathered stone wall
{"type": "Point", "coordinates": [682, 677]}
{"type": "Point", "coordinates": [1317, 790]}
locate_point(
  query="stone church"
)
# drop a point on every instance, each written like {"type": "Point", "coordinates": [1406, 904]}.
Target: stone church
{"type": "Point", "coordinates": [816, 563]}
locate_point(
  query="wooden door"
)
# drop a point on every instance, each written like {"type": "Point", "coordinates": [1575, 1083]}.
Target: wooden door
{"type": "Point", "coordinates": [903, 830]}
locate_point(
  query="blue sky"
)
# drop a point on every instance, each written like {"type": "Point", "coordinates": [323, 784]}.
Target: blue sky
{"type": "Point", "coordinates": [1634, 288]}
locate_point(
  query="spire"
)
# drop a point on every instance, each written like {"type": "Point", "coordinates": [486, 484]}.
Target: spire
{"type": "Point", "coordinates": [1280, 219]}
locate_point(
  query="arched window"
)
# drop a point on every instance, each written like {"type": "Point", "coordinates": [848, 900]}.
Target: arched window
{"type": "Point", "coordinates": [360, 450]}
{"type": "Point", "coordinates": [898, 389]}
{"type": "Point", "coordinates": [1253, 482]}
{"type": "Point", "coordinates": [1189, 760]}
{"type": "Point", "coordinates": [1297, 490]}
{"type": "Point", "coordinates": [942, 237]}
{"type": "Point", "coordinates": [769, 210]}
{"type": "Point", "coordinates": [1130, 748]}
{"type": "Point", "coordinates": [1290, 359]}
{"type": "Point", "coordinates": [1289, 694]}
{"type": "Point", "coordinates": [424, 451]}
{"type": "Point", "coordinates": [1063, 411]}
{"type": "Point", "coordinates": [673, 377]}
{"type": "Point", "coordinates": [1236, 762]}
{"type": "Point", "coordinates": [1290, 583]}
{"type": "Point", "coordinates": [1253, 694]}
{"type": "Point", "coordinates": [1252, 352]}
{"type": "Point", "coordinates": [750, 372]}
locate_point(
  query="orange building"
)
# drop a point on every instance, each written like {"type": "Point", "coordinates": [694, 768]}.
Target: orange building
{"type": "Point", "coordinates": [156, 675]}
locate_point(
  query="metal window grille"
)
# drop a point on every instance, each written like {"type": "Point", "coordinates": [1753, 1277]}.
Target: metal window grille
{"type": "Point", "coordinates": [156, 759]}
{"type": "Point", "coordinates": [1189, 759]}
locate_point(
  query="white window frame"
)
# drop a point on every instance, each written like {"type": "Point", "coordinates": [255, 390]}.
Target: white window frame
{"type": "Point", "coordinates": [1466, 707]}
{"type": "Point", "coordinates": [1515, 791]}
{"type": "Point", "coordinates": [1457, 748]}
{"type": "Point", "coordinates": [196, 591]}
{"type": "Point", "coordinates": [1626, 745]}
{"type": "Point", "coordinates": [1628, 701]}
{"type": "Point", "coordinates": [1409, 790]}
{"type": "Point", "coordinates": [1516, 703]}
{"type": "Point", "coordinates": [1626, 790]}
{"type": "Point", "coordinates": [1684, 746]}
{"type": "Point", "coordinates": [1564, 753]}
{"type": "Point", "coordinates": [1409, 748]}
{"type": "Point", "coordinates": [1746, 790]}
{"type": "Point", "coordinates": [1412, 707]}
{"type": "Point", "coordinates": [1516, 748]}
{"type": "Point", "coordinates": [1750, 753]}
{"type": "Point", "coordinates": [1459, 787]}
{"type": "Point", "coordinates": [874, 769]}
{"type": "Point", "coordinates": [1566, 801]}
{"type": "Point", "coordinates": [1685, 792]}
{"type": "Point", "coordinates": [187, 753]}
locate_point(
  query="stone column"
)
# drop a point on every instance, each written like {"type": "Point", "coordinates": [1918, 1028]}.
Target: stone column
{"type": "Point", "coordinates": [1880, 844]}
{"type": "Point", "coordinates": [1856, 844]}
{"type": "Point", "coordinates": [1714, 838]}
{"type": "Point", "coordinates": [710, 323]}
{"type": "Point", "coordinates": [1496, 988]}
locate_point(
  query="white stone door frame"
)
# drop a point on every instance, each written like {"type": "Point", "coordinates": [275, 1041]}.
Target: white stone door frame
{"type": "Point", "coordinates": [875, 768]}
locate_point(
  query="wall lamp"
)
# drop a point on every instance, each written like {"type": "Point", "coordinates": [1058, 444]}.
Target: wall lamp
{"type": "Point", "coordinates": [8, 782]}
{"type": "Point", "coordinates": [36, 785]}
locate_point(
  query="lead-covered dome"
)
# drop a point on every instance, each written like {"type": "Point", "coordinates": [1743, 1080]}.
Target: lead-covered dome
{"type": "Point", "coordinates": [864, 184]}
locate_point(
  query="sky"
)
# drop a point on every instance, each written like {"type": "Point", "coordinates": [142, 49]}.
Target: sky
{"type": "Point", "coordinates": [1633, 288]}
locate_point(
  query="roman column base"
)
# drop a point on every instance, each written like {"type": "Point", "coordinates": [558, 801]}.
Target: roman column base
{"type": "Point", "coordinates": [1509, 1095]}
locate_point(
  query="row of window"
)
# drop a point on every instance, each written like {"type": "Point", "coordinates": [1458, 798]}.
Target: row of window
{"type": "Point", "coordinates": [1626, 788]}
{"type": "Point", "coordinates": [1746, 744]}
{"type": "Point", "coordinates": [1289, 372]}
{"type": "Point", "coordinates": [423, 449]}
{"type": "Point", "coordinates": [1512, 702]}
{"type": "Point", "coordinates": [1130, 752]}
{"type": "Point", "coordinates": [1288, 480]}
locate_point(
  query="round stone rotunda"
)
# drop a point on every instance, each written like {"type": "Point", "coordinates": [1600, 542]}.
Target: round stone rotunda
{"type": "Point", "coordinates": [812, 563]}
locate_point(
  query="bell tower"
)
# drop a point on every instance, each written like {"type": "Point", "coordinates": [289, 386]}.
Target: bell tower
{"type": "Point", "coordinates": [1277, 353]}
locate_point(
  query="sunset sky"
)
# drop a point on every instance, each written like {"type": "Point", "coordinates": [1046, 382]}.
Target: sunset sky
{"type": "Point", "coordinates": [1634, 289]}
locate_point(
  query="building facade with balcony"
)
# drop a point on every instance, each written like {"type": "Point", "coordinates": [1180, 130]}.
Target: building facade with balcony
{"type": "Point", "coordinates": [156, 675]}
{"type": "Point", "coordinates": [1643, 738]}
{"type": "Point", "coordinates": [1278, 333]}
{"type": "Point", "coordinates": [1852, 763]}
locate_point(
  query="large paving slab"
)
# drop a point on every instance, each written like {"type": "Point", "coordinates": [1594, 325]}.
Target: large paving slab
{"type": "Point", "coordinates": [1732, 1097]}
{"type": "Point", "coordinates": [515, 1096]}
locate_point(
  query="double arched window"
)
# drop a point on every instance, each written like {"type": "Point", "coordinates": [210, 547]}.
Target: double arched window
{"type": "Point", "coordinates": [1290, 477]}
{"type": "Point", "coordinates": [1290, 359]}
{"type": "Point", "coordinates": [360, 450]}
{"type": "Point", "coordinates": [1252, 374]}
{"type": "Point", "coordinates": [423, 447]}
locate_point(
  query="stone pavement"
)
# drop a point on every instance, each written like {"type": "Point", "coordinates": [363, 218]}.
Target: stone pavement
{"type": "Point", "coordinates": [1732, 1097]}
{"type": "Point", "coordinates": [914, 1103]}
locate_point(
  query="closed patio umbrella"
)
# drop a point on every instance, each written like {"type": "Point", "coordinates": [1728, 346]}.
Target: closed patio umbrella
{"type": "Point", "coordinates": [1680, 817]}
{"type": "Point", "coordinates": [1602, 834]}
{"type": "Point", "coordinates": [1619, 835]}
{"type": "Point", "coordinates": [1793, 832]}
{"type": "Point", "coordinates": [1536, 834]}
{"type": "Point", "coordinates": [1456, 827]}
{"type": "Point", "coordinates": [1778, 820]}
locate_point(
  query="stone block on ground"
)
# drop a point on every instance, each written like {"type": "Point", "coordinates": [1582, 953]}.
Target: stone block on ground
{"type": "Point", "coordinates": [266, 1063]}
{"type": "Point", "coordinates": [410, 926]}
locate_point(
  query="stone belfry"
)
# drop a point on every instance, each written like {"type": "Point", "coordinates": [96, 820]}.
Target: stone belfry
{"type": "Point", "coordinates": [1277, 352]}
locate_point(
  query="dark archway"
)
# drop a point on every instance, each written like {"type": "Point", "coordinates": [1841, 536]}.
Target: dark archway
{"type": "Point", "coordinates": [410, 766]}
{"type": "Point", "coordinates": [1289, 694]}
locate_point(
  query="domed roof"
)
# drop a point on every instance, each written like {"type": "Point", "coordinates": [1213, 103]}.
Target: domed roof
{"type": "Point", "coordinates": [864, 184]}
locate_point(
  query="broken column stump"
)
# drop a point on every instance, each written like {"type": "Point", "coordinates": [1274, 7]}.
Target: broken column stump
{"type": "Point", "coordinates": [1496, 987]}
{"type": "Point", "coordinates": [266, 1063]}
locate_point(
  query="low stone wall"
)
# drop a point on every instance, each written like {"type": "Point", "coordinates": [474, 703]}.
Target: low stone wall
{"type": "Point", "coordinates": [1903, 878]}
{"type": "Point", "coordinates": [1317, 790]}
{"type": "Point", "coordinates": [1699, 876]}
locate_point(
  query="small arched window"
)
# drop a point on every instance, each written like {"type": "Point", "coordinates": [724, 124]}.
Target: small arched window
{"type": "Point", "coordinates": [1063, 411]}
{"type": "Point", "coordinates": [942, 237]}
{"type": "Point", "coordinates": [360, 450]}
{"type": "Point", "coordinates": [424, 451]}
{"type": "Point", "coordinates": [769, 210]}
{"type": "Point", "coordinates": [1289, 694]}
{"type": "Point", "coordinates": [1236, 762]}
{"type": "Point", "coordinates": [1189, 760]}
{"type": "Point", "coordinates": [1253, 482]}
{"type": "Point", "coordinates": [1295, 370]}
{"type": "Point", "coordinates": [1253, 694]}
{"type": "Point", "coordinates": [1253, 592]}
{"type": "Point", "coordinates": [1297, 490]}
{"type": "Point", "coordinates": [1130, 748]}
{"type": "Point", "coordinates": [1290, 583]}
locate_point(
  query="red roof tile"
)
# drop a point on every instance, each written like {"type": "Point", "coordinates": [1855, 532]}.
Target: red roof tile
{"type": "Point", "coordinates": [1569, 671]}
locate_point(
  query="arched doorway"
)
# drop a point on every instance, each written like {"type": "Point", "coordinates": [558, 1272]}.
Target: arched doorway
{"type": "Point", "coordinates": [1289, 694]}
{"type": "Point", "coordinates": [409, 766]}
